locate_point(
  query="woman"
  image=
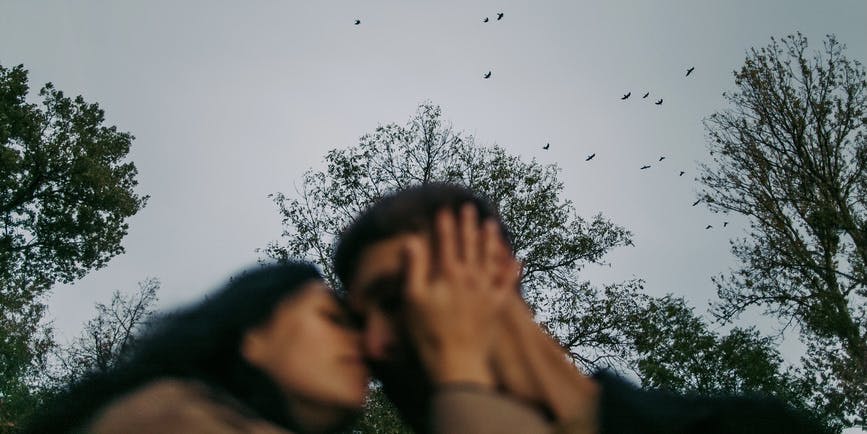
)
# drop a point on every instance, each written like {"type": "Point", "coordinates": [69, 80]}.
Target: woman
{"type": "Point", "coordinates": [271, 352]}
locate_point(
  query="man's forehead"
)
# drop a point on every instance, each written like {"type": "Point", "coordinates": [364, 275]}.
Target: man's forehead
{"type": "Point", "coordinates": [381, 260]}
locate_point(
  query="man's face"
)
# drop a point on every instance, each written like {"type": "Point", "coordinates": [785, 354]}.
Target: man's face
{"type": "Point", "coordinates": [376, 294]}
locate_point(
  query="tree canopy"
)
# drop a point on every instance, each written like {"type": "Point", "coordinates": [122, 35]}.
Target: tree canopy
{"type": "Point", "coordinates": [66, 193]}
{"type": "Point", "coordinates": [65, 189]}
{"type": "Point", "coordinates": [790, 154]}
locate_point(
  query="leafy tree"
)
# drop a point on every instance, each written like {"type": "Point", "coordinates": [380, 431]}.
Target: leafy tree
{"type": "Point", "coordinates": [65, 195]}
{"type": "Point", "coordinates": [25, 343]}
{"type": "Point", "coordinates": [107, 336]}
{"type": "Point", "coordinates": [65, 191]}
{"type": "Point", "coordinates": [791, 155]}
{"type": "Point", "coordinates": [600, 327]}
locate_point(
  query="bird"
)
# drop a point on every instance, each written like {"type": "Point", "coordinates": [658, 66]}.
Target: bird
{"type": "Point", "coordinates": [662, 158]}
{"type": "Point", "coordinates": [547, 145]}
{"type": "Point", "coordinates": [696, 202]}
{"type": "Point", "coordinates": [646, 95]}
{"type": "Point", "coordinates": [488, 75]}
{"type": "Point", "coordinates": [499, 16]}
{"type": "Point", "coordinates": [646, 166]}
{"type": "Point", "coordinates": [659, 102]}
{"type": "Point", "coordinates": [590, 157]}
{"type": "Point", "coordinates": [689, 71]}
{"type": "Point", "coordinates": [486, 20]}
{"type": "Point", "coordinates": [681, 173]}
{"type": "Point", "coordinates": [725, 224]}
{"type": "Point", "coordinates": [708, 227]}
{"type": "Point", "coordinates": [357, 22]}
{"type": "Point", "coordinates": [627, 95]}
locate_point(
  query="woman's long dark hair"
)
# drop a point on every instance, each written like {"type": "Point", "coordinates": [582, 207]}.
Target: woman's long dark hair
{"type": "Point", "coordinates": [201, 342]}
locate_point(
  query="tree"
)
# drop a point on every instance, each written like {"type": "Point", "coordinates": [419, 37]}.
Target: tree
{"type": "Point", "coordinates": [600, 327]}
{"type": "Point", "coordinates": [107, 336]}
{"type": "Point", "coordinates": [65, 192]}
{"type": "Point", "coordinates": [25, 343]}
{"type": "Point", "coordinates": [790, 154]}
{"type": "Point", "coordinates": [65, 195]}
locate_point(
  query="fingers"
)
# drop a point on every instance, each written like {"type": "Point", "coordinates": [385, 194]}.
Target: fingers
{"type": "Point", "coordinates": [447, 238]}
{"type": "Point", "coordinates": [491, 247]}
{"type": "Point", "coordinates": [469, 234]}
{"type": "Point", "coordinates": [417, 268]}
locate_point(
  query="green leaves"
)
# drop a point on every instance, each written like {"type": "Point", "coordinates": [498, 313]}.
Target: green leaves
{"type": "Point", "coordinates": [791, 156]}
{"type": "Point", "coordinates": [65, 191]}
{"type": "Point", "coordinates": [65, 195]}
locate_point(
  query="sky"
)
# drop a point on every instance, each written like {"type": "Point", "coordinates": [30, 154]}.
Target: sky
{"type": "Point", "coordinates": [231, 101]}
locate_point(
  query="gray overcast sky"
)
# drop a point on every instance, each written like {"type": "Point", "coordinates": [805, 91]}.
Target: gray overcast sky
{"type": "Point", "coordinates": [230, 101]}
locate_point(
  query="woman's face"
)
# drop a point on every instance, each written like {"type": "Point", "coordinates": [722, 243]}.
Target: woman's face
{"type": "Point", "coordinates": [311, 349]}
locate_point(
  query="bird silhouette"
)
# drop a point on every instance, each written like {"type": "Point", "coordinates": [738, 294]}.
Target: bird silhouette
{"type": "Point", "coordinates": [659, 102]}
{"type": "Point", "coordinates": [499, 16]}
{"type": "Point", "coordinates": [725, 224]}
{"type": "Point", "coordinates": [486, 20]}
{"type": "Point", "coordinates": [627, 95]}
{"type": "Point", "coordinates": [488, 75]}
{"type": "Point", "coordinates": [689, 71]}
{"type": "Point", "coordinates": [646, 166]}
{"type": "Point", "coordinates": [681, 173]}
{"type": "Point", "coordinates": [590, 157]}
{"type": "Point", "coordinates": [696, 202]}
{"type": "Point", "coordinates": [357, 22]}
{"type": "Point", "coordinates": [547, 145]}
{"type": "Point", "coordinates": [646, 95]}
{"type": "Point", "coordinates": [708, 227]}
{"type": "Point", "coordinates": [662, 158]}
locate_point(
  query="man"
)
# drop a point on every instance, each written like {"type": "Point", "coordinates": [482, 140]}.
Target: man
{"type": "Point", "coordinates": [428, 231]}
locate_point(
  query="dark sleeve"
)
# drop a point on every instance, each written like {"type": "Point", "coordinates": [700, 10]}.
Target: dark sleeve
{"type": "Point", "coordinates": [626, 409]}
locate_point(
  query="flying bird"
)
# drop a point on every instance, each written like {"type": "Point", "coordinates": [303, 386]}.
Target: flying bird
{"type": "Point", "coordinates": [696, 202]}
{"type": "Point", "coordinates": [659, 102]}
{"type": "Point", "coordinates": [646, 166]}
{"type": "Point", "coordinates": [590, 157]}
{"type": "Point", "coordinates": [547, 145]}
{"type": "Point", "coordinates": [488, 75]}
{"type": "Point", "coordinates": [725, 224]}
{"type": "Point", "coordinates": [357, 22]}
{"type": "Point", "coordinates": [646, 95]}
{"type": "Point", "coordinates": [486, 20]}
{"type": "Point", "coordinates": [627, 95]}
{"type": "Point", "coordinates": [681, 173]}
{"type": "Point", "coordinates": [689, 71]}
{"type": "Point", "coordinates": [662, 158]}
{"type": "Point", "coordinates": [708, 227]}
{"type": "Point", "coordinates": [499, 16]}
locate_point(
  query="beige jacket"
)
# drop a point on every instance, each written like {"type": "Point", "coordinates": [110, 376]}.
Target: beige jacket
{"type": "Point", "coordinates": [179, 406]}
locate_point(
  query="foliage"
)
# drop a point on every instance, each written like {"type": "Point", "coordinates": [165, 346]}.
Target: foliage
{"type": "Point", "coordinates": [25, 343]}
{"type": "Point", "coordinates": [791, 155]}
{"type": "Point", "coordinates": [380, 416]}
{"type": "Point", "coordinates": [65, 192]}
{"type": "Point", "coordinates": [107, 336]}
{"type": "Point", "coordinates": [65, 195]}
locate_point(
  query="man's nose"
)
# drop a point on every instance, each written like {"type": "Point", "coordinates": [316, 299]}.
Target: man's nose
{"type": "Point", "coordinates": [379, 338]}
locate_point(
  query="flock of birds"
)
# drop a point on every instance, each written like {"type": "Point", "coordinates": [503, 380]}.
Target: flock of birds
{"type": "Point", "coordinates": [626, 96]}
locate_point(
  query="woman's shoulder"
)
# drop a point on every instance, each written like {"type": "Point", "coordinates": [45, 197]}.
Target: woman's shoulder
{"type": "Point", "coordinates": [172, 405]}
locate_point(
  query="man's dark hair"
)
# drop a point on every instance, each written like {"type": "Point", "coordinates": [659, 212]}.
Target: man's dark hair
{"type": "Point", "coordinates": [411, 210]}
{"type": "Point", "coordinates": [201, 343]}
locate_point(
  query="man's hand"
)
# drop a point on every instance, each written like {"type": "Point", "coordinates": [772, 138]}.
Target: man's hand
{"type": "Point", "coordinates": [455, 294]}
